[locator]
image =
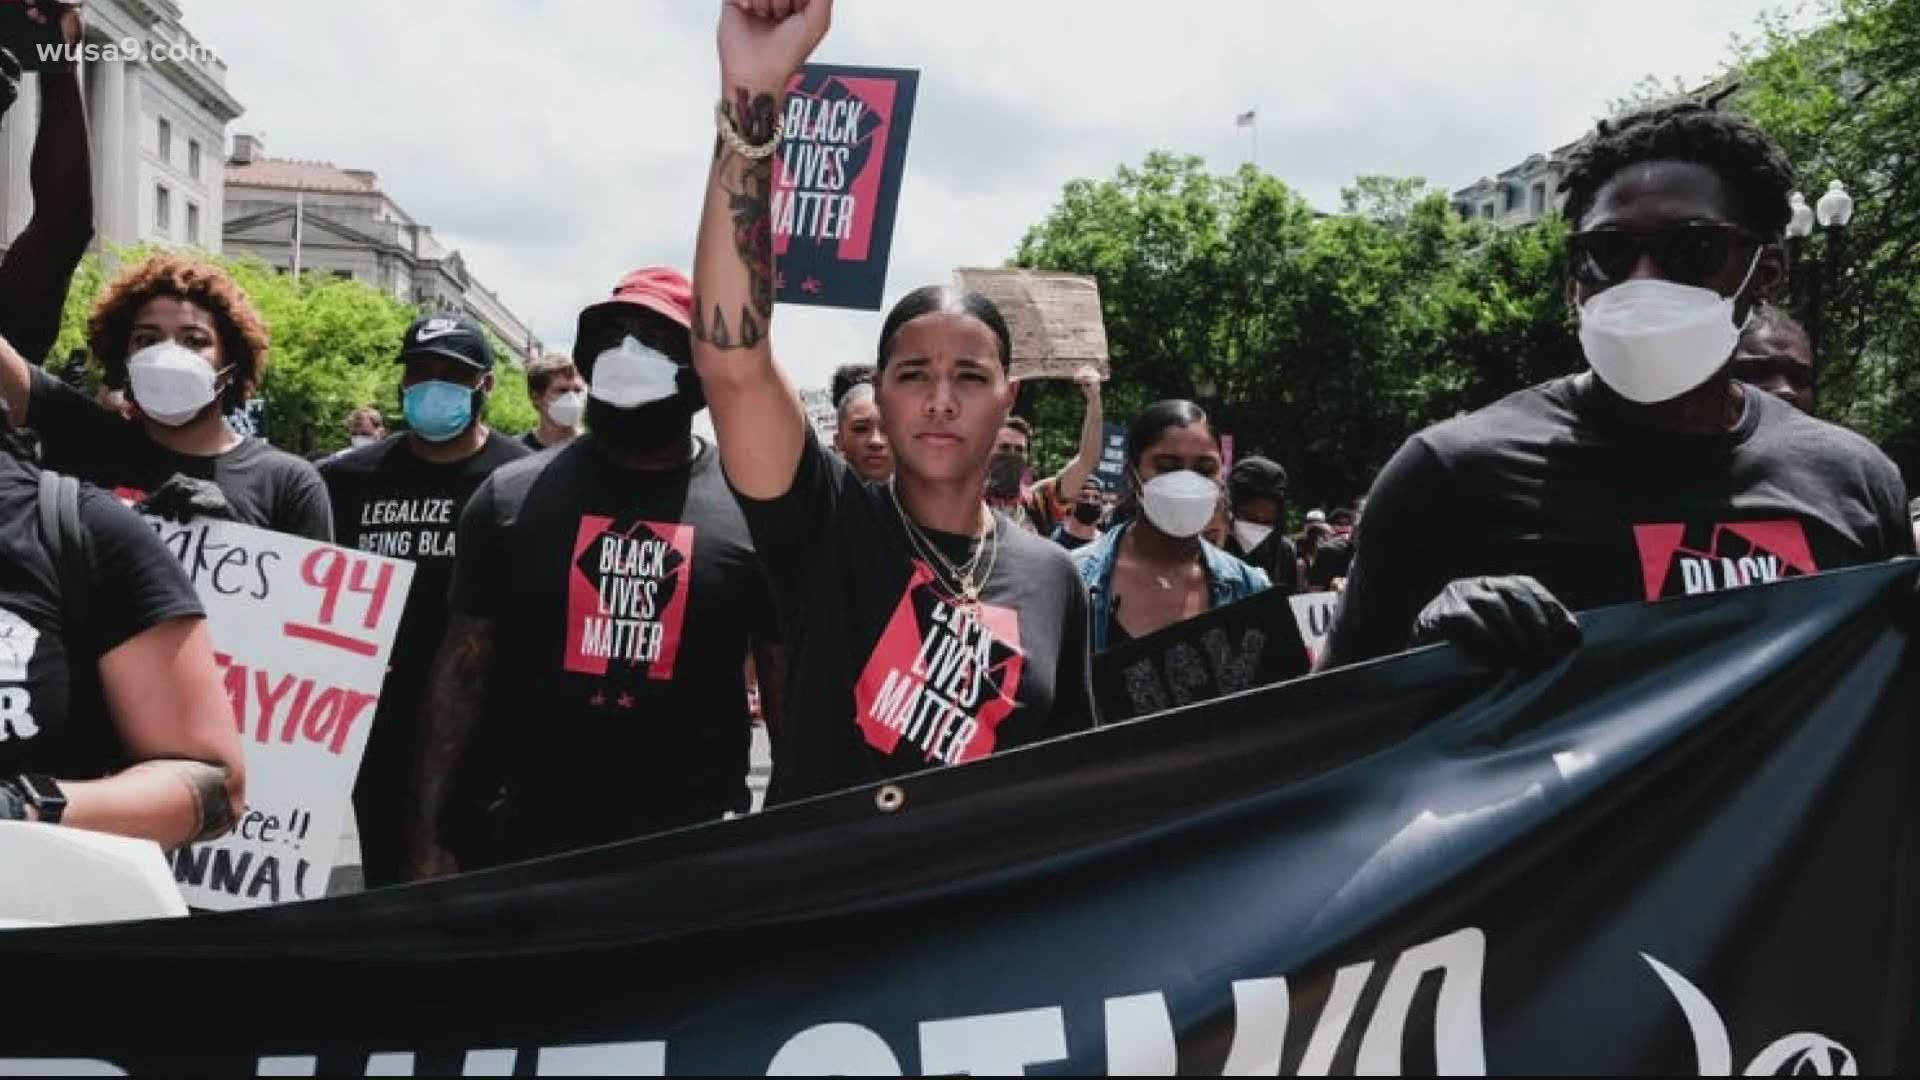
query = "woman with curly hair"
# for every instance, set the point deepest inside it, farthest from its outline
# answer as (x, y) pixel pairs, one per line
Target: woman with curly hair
(181, 338)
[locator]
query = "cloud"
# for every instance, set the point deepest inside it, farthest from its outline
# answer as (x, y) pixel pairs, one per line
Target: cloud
(560, 142)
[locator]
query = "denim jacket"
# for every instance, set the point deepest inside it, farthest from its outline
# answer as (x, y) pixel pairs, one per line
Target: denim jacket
(1228, 579)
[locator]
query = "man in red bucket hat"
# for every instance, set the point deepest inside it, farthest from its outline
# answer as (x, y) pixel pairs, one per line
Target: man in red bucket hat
(604, 602)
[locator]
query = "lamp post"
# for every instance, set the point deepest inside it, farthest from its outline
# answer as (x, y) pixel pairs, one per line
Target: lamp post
(1833, 213)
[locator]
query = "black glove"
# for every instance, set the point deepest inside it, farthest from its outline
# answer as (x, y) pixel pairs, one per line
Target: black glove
(10, 73)
(183, 498)
(13, 804)
(1507, 620)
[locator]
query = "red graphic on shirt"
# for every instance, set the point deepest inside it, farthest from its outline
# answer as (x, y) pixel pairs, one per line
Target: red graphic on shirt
(942, 676)
(627, 596)
(1688, 559)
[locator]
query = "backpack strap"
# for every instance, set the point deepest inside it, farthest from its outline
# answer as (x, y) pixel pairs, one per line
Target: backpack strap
(68, 543)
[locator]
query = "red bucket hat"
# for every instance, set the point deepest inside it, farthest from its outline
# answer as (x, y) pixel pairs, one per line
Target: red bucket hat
(660, 289)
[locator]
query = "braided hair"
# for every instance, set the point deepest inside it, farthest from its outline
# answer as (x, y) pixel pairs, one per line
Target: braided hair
(1756, 173)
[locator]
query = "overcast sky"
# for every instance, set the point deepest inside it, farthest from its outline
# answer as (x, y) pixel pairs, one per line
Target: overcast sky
(559, 142)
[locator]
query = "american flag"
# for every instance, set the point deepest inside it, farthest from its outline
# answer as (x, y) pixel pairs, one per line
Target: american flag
(1245, 119)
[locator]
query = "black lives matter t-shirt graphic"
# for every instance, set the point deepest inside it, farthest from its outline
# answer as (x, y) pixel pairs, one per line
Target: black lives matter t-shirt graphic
(942, 676)
(1691, 559)
(627, 596)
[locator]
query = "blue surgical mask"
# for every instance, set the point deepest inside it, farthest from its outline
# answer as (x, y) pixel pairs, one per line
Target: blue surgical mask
(438, 411)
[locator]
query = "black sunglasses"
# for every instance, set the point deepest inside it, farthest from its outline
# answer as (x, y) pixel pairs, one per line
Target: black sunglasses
(1688, 254)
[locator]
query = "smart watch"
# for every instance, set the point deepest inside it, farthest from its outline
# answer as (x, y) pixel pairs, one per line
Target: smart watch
(44, 795)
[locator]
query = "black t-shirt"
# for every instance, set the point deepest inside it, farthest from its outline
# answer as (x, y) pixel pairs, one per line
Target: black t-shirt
(53, 717)
(266, 487)
(622, 604)
(1276, 555)
(886, 675)
(389, 501)
(1542, 483)
(532, 442)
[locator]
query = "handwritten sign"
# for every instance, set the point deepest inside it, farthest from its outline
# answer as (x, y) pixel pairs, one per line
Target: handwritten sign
(1238, 647)
(302, 631)
(1055, 319)
(1314, 612)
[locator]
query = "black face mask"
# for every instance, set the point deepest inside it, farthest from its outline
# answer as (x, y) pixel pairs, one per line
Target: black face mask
(643, 429)
(1087, 513)
(1003, 475)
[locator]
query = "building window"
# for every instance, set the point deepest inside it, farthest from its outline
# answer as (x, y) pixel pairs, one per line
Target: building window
(1540, 199)
(1513, 197)
(193, 158)
(162, 209)
(343, 275)
(166, 141)
(1486, 211)
(193, 223)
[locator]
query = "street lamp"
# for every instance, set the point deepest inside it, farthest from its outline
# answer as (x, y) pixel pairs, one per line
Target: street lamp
(1833, 213)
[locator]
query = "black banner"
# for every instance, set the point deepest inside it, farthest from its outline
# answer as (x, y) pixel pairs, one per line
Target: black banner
(1689, 848)
(1252, 643)
(836, 183)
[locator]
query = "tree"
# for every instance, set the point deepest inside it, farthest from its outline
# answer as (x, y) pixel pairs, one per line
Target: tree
(1843, 99)
(334, 343)
(1321, 341)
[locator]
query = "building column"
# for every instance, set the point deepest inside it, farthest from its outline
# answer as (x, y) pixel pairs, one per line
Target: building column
(22, 121)
(113, 157)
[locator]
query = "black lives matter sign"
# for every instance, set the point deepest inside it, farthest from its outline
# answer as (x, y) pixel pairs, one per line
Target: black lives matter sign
(836, 183)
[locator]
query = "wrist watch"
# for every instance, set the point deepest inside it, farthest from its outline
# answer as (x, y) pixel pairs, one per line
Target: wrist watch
(43, 794)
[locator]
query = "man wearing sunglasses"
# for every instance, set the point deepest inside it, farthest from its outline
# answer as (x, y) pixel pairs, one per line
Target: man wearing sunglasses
(1654, 474)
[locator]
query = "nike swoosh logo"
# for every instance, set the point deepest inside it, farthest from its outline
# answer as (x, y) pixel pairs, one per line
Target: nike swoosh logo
(429, 334)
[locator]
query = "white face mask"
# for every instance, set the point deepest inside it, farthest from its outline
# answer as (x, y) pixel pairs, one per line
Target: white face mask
(567, 409)
(1180, 503)
(1251, 534)
(358, 441)
(171, 383)
(1651, 340)
(634, 375)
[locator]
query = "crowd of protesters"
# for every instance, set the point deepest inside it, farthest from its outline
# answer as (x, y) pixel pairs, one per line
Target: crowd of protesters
(591, 601)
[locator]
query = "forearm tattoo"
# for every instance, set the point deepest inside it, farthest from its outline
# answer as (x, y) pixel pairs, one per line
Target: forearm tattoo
(212, 804)
(455, 710)
(749, 188)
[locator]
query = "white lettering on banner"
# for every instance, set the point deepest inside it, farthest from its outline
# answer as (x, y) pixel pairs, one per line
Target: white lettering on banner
(1713, 1050)
(997, 1044)
(302, 632)
(1139, 1036)
(835, 1050)
(1699, 574)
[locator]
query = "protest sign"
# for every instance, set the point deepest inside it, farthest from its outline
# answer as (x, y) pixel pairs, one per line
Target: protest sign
(1239, 647)
(1684, 850)
(1313, 611)
(302, 631)
(1112, 469)
(1055, 319)
(836, 183)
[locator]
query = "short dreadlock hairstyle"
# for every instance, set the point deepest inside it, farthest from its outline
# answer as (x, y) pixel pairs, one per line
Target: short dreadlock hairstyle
(1758, 177)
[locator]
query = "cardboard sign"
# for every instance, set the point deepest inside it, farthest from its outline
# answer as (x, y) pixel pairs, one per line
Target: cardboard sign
(1238, 647)
(1056, 320)
(302, 631)
(1313, 612)
(836, 183)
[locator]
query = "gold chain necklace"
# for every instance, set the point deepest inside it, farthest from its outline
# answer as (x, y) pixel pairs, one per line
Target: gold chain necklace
(961, 582)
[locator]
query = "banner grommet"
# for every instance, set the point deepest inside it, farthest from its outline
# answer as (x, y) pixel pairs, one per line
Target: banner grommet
(889, 799)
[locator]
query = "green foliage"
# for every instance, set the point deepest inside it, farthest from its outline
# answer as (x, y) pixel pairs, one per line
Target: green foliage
(1843, 99)
(1321, 341)
(334, 344)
